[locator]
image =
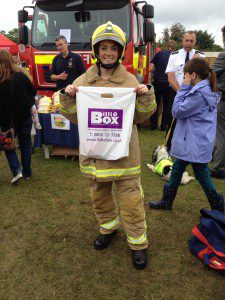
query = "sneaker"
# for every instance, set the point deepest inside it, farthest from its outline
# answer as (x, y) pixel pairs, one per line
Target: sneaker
(16, 178)
(26, 177)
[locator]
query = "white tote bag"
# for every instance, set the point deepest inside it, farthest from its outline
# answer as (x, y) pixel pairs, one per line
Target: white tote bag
(105, 118)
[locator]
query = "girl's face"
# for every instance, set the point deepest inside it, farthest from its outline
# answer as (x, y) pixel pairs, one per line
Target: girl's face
(190, 77)
(108, 52)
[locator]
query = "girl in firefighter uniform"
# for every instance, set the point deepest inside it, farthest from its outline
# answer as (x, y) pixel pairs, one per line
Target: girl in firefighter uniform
(108, 48)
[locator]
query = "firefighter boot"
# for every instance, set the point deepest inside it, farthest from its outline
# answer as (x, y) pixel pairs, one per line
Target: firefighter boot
(169, 194)
(139, 258)
(216, 202)
(103, 240)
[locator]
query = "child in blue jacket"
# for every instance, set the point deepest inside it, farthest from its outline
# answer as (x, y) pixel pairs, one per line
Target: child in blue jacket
(195, 108)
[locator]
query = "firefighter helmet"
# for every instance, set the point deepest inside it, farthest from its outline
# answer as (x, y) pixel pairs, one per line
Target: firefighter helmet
(108, 31)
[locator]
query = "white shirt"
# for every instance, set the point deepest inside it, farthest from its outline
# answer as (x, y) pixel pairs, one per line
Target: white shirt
(177, 61)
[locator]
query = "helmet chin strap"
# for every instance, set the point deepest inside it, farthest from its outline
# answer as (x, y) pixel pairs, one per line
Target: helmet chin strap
(107, 66)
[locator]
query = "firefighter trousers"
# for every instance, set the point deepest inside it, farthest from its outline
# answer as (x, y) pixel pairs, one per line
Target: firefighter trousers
(131, 206)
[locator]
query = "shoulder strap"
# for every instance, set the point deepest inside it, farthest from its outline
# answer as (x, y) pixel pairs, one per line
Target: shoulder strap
(201, 237)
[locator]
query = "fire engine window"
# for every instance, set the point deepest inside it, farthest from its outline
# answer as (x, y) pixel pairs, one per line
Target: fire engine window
(50, 19)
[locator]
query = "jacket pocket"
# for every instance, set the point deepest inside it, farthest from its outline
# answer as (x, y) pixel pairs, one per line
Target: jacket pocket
(179, 144)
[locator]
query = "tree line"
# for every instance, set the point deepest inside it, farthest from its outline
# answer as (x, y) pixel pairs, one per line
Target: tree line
(205, 41)
(11, 35)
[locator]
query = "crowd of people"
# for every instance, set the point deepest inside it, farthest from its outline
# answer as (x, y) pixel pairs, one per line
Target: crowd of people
(192, 109)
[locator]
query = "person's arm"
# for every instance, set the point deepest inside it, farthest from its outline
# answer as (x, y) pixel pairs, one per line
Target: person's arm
(219, 64)
(187, 104)
(170, 70)
(62, 76)
(31, 90)
(54, 76)
(153, 63)
(151, 67)
(173, 82)
(80, 68)
(67, 100)
(145, 104)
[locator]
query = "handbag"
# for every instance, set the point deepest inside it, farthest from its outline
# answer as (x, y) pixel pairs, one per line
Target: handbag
(7, 138)
(208, 242)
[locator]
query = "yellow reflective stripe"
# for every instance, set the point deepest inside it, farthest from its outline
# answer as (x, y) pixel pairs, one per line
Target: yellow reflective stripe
(111, 224)
(90, 170)
(145, 225)
(137, 241)
(141, 108)
(71, 110)
(44, 59)
(144, 61)
(135, 60)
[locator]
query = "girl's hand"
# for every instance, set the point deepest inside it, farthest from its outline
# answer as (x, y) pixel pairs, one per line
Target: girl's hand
(71, 90)
(142, 89)
(187, 81)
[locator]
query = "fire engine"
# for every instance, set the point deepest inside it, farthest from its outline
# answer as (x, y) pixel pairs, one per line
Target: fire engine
(77, 20)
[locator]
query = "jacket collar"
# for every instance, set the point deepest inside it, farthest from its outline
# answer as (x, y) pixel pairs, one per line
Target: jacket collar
(118, 74)
(199, 85)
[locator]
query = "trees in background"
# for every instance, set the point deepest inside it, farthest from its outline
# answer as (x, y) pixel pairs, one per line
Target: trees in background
(11, 35)
(205, 40)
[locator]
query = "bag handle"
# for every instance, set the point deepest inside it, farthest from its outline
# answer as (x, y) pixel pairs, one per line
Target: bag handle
(213, 262)
(201, 237)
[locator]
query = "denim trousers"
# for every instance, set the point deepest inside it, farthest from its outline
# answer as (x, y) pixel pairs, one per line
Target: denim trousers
(23, 132)
(202, 174)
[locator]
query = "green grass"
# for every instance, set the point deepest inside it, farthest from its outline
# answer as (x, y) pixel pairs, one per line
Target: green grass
(47, 228)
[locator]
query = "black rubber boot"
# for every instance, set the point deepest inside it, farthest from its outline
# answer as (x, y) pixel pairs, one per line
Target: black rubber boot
(103, 240)
(216, 202)
(169, 194)
(139, 258)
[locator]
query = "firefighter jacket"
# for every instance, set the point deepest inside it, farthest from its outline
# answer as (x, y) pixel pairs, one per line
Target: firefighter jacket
(127, 167)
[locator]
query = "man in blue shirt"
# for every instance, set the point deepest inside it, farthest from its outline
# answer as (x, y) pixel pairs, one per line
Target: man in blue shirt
(161, 85)
(66, 66)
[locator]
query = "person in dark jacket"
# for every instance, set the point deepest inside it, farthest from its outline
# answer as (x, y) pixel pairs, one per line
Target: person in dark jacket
(218, 170)
(161, 85)
(66, 66)
(16, 99)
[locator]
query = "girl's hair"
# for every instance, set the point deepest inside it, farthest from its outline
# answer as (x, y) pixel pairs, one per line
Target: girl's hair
(7, 65)
(202, 69)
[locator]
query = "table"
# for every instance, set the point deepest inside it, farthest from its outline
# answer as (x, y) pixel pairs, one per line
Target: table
(56, 137)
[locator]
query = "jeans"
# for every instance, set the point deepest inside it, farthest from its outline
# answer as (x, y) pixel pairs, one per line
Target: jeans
(202, 174)
(23, 132)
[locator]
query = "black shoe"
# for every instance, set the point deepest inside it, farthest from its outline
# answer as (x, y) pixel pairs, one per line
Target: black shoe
(103, 240)
(161, 205)
(217, 174)
(139, 258)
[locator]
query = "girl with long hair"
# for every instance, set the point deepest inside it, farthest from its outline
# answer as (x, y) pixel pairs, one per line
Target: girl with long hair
(17, 98)
(195, 108)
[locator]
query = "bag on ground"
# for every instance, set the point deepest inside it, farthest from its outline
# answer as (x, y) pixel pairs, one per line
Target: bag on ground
(105, 119)
(208, 243)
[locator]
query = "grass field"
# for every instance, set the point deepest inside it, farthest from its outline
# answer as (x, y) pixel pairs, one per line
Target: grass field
(47, 228)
